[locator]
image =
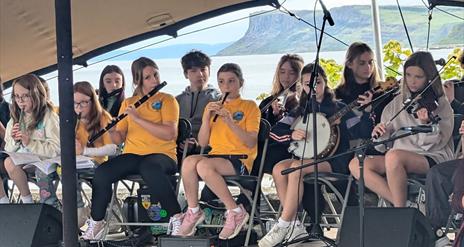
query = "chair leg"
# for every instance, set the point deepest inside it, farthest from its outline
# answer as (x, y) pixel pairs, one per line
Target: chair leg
(113, 198)
(251, 219)
(329, 202)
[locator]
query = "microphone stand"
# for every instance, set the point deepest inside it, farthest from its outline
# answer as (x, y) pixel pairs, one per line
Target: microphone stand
(360, 154)
(316, 230)
(360, 150)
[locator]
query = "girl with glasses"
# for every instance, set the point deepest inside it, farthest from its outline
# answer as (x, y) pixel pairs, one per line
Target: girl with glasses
(33, 128)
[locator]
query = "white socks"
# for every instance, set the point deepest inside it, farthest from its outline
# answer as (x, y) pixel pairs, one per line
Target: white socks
(27, 199)
(284, 224)
(195, 209)
(24, 199)
(4, 200)
(237, 210)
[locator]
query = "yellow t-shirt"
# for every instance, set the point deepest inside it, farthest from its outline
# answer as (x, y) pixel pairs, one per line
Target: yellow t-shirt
(82, 136)
(223, 141)
(160, 108)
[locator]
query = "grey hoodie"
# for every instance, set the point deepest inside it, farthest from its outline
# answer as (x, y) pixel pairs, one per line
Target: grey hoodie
(192, 105)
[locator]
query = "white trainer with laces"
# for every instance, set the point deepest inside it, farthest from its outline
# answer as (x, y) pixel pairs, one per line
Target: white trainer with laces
(94, 230)
(275, 236)
(299, 231)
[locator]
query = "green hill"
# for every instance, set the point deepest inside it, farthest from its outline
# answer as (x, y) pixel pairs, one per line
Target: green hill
(277, 32)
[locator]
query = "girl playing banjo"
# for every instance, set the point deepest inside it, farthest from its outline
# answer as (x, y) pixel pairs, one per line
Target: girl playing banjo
(288, 186)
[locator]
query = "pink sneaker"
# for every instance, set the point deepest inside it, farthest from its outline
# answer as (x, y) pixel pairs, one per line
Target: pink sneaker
(190, 222)
(234, 223)
(174, 224)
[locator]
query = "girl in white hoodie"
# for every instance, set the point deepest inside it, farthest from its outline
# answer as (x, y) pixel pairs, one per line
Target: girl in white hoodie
(33, 128)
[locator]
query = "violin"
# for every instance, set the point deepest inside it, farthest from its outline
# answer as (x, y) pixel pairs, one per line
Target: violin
(427, 100)
(388, 84)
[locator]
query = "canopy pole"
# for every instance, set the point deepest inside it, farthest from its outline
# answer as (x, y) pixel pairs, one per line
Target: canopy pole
(377, 37)
(67, 120)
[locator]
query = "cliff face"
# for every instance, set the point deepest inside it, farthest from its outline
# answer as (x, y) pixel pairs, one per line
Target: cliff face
(277, 32)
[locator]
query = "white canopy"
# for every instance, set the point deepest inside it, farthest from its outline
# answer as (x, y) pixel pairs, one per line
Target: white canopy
(27, 27)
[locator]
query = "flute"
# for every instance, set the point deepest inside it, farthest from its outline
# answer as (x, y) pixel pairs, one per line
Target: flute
(78, 120)
(222, 103)
(21, 125)
(122, 116)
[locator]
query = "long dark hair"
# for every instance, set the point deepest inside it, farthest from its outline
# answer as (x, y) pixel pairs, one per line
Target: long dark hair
(103, 94)
(328, 93)
(354, 51)
(424, 60)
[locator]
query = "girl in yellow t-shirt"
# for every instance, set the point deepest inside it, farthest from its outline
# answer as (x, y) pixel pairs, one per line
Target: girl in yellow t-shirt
(149, 134)
(233, 132)
(92, 118)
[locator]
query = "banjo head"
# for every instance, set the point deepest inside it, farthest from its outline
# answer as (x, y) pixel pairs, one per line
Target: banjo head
(324, 131)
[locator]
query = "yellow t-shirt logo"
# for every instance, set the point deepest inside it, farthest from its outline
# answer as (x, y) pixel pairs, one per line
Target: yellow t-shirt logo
(157, 105)
(238, 115)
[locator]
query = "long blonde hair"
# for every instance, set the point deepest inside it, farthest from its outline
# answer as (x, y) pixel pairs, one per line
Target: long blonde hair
(38, 97)
(354, 51)
(137, 73)
(296, 62)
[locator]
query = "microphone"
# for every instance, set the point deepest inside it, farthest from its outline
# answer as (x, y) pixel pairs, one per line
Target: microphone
(422, 128)
(327, 15)
(440, 62)
(222, 103)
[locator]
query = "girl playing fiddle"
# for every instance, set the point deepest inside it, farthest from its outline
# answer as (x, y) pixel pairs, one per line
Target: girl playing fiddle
(415, 153)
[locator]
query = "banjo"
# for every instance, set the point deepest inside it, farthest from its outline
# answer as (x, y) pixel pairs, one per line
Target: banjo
(328, 131)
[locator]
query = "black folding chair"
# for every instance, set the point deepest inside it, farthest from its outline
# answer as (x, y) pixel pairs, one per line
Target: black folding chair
(184, 133)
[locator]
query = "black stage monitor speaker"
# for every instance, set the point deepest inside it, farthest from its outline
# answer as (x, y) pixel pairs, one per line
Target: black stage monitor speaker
(30, 225)
(387, 227)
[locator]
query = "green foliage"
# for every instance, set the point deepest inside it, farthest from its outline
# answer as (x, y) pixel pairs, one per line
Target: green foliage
(453, 70)
(262, 96)
(394, 57)
(333, 71)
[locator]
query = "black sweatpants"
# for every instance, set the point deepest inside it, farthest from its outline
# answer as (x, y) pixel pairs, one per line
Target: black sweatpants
(438, 188)
(155, 169)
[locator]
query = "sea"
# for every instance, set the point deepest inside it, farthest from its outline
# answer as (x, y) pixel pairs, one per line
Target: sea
(258, 71)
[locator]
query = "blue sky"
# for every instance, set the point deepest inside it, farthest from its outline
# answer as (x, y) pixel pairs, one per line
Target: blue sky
(234, 31)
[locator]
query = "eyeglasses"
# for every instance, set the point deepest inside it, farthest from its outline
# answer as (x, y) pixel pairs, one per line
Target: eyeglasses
(21, 98)
(82, 104)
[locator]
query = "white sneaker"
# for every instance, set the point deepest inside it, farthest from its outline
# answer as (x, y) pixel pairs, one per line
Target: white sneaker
(299, 231)
(174, 224)
(275, 236)
(94, 230)
(83, 214)
(442, 242)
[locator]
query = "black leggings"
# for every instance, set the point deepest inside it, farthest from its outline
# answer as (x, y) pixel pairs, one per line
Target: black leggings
(155, 170)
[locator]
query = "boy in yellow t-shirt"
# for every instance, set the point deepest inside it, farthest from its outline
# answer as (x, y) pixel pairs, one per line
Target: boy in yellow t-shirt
(233, 131)
(149, 133)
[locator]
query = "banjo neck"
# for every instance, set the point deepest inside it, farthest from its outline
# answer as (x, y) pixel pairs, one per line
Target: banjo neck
(342, 112)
